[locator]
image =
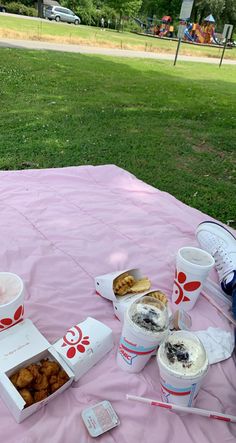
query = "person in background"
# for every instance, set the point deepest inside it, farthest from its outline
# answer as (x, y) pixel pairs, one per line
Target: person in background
(171, 31)
(102, 24)
(221, 244)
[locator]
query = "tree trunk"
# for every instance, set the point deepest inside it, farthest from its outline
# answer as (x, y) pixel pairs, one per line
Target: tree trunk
(40, 8)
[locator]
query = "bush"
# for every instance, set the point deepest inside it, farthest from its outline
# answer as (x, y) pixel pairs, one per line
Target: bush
(87, 16)
(92, 16)
(19, 8)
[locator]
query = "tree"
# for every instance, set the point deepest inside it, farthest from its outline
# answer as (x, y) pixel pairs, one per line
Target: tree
(229, 13)
(161, 7)
(125, 7)
(202, 8)
(149, 7)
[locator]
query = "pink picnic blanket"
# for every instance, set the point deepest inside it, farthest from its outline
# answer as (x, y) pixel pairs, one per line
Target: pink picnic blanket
(59, 228)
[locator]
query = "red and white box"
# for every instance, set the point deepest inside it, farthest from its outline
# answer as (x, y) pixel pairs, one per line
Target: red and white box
(20, 346)
(104, 287)
(84, 345)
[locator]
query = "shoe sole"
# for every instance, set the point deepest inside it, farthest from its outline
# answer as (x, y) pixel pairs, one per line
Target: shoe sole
(216, 224)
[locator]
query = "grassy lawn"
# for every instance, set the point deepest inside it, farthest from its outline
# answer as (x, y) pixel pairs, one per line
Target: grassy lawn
(175, 128)
(14, 27)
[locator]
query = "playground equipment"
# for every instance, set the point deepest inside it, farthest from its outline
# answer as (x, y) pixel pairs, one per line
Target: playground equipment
(165, 26)
(159, 28)
(194, 32)
(204, 34)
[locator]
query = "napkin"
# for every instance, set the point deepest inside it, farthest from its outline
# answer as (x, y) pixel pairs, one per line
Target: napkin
(219, 344)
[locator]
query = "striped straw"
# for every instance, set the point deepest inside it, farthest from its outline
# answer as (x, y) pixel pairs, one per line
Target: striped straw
(197, 411)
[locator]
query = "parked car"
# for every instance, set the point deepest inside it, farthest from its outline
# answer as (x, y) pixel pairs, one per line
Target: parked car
(61, 14)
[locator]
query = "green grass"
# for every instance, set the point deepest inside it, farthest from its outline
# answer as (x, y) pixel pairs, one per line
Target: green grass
(14, 27)
(175, 128)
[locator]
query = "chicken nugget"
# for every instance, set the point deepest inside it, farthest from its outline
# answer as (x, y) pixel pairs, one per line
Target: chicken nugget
(41, 383)
(63, 375)
(59, 379)
(57, 385)
(53, 379)
(49, 368)
(27, 396)
(40, 395)
(14, 378)
(24, 378)
(34, 369)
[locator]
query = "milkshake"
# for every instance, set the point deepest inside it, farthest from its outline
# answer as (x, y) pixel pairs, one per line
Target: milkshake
(11, 300)
(145, 326)
(10, 287)
(183, 364)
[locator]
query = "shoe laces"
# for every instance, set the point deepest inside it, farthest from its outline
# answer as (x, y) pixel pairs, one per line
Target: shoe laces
(222, 258)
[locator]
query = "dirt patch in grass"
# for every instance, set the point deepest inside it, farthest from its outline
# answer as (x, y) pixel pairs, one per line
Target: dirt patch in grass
(203, 147)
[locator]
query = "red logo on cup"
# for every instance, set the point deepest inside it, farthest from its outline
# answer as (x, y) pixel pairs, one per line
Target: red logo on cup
(180, 285)
(17, 317)
(74, 338)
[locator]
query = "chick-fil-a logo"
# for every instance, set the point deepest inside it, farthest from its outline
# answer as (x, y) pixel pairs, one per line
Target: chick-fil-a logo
(75, 340)
(7, 322)
(182, 285)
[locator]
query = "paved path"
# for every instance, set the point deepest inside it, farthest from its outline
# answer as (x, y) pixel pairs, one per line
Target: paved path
(28, 44)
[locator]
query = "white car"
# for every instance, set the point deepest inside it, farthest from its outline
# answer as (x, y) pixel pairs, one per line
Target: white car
(60, 14)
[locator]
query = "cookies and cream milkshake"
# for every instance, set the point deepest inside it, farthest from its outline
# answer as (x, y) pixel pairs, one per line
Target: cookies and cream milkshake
(148, 315)
(183, 364)
(184, 356)
(145, 326)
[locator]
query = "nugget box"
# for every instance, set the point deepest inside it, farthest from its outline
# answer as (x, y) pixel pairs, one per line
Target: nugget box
(84, 345)
(20, 346)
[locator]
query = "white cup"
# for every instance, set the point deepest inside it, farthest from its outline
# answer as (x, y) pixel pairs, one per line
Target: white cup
(192, 268)
(11, 300)
(137, 344)
(181, 388)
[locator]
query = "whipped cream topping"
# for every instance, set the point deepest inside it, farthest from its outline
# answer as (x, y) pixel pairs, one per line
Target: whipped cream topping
(184, 355)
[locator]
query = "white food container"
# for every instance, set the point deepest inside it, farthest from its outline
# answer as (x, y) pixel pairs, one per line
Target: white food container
(104, 287)
(20, 346)
(84, 345)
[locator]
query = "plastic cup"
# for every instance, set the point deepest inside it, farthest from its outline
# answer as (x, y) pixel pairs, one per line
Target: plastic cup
(145, 326)
(192, 268)
(11, 300)
(178, 387)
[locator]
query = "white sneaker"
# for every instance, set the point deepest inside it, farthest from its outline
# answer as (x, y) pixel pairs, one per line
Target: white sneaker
(221, 244)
